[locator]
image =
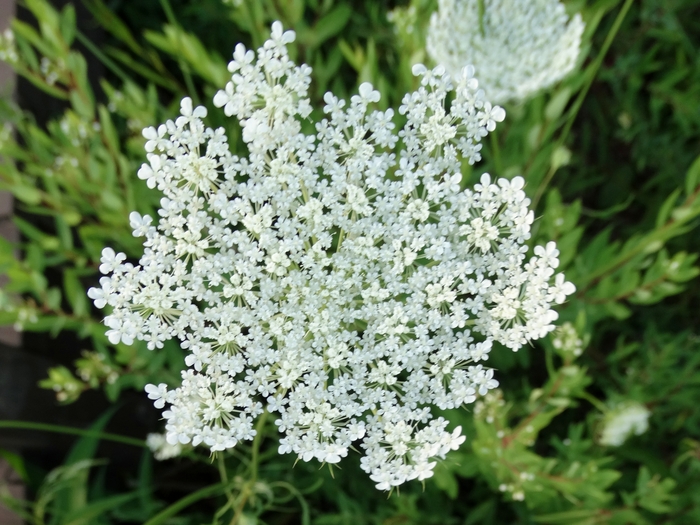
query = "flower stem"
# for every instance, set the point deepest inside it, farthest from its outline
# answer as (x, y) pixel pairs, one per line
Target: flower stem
(221, 464)
(592, 73)
(255, 454)
(496, 152)
(249, 487)
(60, 429)
(594, 401)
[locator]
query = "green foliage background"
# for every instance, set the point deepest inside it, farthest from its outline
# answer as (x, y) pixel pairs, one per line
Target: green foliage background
(611, 161)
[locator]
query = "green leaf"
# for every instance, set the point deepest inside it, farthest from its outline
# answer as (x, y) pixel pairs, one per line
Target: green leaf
(16, 462)
(483, 513)
(60, 429)
(186, 46)
(328, 26)
(568, 517)
(35, 234)
(86, 446)
(145, 480)
(144, 70)
(445, 480)
(108, 131)
(57, 492)
(112, 23)
(557, 103)
(666, 207)
(59, 323)
(81, 98)
(293, 12)
(24, 31)
(87, 514)
(355, 57)
(113, 389)
(692, 178)
(627, 517)
(75, 293)
(74, 496)
(617, 310)
(206, 492)
(53, 298)
(27, 54)
(67, 24)
(654, 493)
(28, 194)
(65, 235)
(44, 12)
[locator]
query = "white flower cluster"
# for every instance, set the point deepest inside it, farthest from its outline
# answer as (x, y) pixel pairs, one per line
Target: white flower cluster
(518, 47)
(8, 47)
(566, 340)
(343, 280)
(624, 421)
(405, 19)
(161, 448)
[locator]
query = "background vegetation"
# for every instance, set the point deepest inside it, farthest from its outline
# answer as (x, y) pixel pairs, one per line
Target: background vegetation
(611, 161)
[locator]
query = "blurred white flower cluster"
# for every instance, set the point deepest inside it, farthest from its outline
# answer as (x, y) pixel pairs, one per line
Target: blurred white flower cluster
(161, 448)
(8, 47)
(343, 280)
(518, 47)
(630, 418)
(405, 19)
(567, 341)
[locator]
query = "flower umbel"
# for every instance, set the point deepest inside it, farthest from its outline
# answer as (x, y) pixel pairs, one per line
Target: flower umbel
(343, 280)
(518, 47)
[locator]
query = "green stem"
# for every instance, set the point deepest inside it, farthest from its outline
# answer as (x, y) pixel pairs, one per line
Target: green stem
(224, 478)
(172, 510)
(549, 362)
(594, 401)
(222, 468)
(305, 514)
(593, 71)
(254, 27)
(46, 427)
(249, 488)
(255, 454)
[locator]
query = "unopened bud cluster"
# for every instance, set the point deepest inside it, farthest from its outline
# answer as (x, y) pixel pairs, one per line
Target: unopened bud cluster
(8, 47)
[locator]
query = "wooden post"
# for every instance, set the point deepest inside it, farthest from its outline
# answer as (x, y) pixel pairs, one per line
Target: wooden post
(8, 336)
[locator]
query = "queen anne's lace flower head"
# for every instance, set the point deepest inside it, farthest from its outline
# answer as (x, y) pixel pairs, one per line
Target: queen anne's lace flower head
(518, 47)
(343, 279)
